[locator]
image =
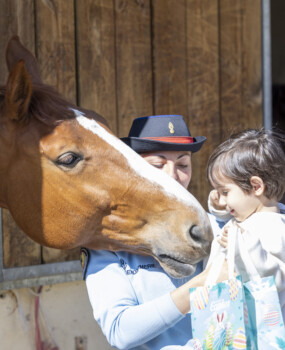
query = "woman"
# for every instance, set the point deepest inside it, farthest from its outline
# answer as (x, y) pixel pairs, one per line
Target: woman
(137, 305)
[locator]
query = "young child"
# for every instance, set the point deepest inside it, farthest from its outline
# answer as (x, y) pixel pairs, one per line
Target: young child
(248, 173)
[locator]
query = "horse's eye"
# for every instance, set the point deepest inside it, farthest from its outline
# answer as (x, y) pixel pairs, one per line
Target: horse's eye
(68, 160)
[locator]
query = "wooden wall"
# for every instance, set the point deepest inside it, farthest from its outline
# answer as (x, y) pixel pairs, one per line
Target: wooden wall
(130, 58)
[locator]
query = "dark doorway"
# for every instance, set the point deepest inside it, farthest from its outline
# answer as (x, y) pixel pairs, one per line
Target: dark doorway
(278, 64)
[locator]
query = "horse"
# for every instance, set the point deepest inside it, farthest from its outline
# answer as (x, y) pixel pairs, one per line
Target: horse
(69, 182)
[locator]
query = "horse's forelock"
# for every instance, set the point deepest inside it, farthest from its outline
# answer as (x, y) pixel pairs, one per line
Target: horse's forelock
(46, 105)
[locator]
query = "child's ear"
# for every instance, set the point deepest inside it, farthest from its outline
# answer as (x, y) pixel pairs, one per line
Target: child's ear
(257, 184)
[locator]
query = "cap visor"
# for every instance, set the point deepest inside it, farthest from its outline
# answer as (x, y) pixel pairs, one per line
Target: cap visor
(146, 145)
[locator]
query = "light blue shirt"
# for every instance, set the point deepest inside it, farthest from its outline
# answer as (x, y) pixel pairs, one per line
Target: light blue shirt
(130, 296)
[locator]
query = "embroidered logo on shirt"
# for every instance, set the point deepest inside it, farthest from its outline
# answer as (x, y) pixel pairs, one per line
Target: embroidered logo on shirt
(134, 271)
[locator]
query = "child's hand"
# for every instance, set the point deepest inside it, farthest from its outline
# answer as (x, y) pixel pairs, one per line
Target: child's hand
(224, 238)
(215, 200)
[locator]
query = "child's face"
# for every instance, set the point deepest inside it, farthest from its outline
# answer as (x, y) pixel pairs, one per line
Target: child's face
(240, 204)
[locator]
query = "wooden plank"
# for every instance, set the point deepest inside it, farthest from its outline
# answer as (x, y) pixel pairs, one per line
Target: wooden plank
(231, 66)
(55, 42)
(133, 62)
(51, 255)
(95, 45)
(169, 57)
(240, 53)
(203, 86)
(17, 17)
(252, 63)
(18, 249)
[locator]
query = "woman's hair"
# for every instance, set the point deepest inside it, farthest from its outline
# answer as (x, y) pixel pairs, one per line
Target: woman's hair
(250, 153)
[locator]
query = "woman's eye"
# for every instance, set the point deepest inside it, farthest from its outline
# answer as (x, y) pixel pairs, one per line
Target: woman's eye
(158, 166)
(224, 193)
(68, 160)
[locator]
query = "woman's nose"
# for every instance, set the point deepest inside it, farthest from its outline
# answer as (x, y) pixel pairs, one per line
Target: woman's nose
(171, 170)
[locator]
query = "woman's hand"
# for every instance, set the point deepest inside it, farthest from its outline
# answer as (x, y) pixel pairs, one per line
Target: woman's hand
(180, 296)
(224, 274)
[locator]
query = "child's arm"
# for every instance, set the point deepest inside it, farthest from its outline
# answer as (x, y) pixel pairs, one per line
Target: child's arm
(267, 254)
(266, 247)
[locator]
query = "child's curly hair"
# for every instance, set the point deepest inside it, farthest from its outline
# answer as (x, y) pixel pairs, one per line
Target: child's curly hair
(253, 152)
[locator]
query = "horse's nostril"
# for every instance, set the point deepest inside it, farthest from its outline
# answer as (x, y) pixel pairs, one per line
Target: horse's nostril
(195, 233)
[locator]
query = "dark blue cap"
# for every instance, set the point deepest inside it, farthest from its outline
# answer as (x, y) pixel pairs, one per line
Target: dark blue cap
(162, 133)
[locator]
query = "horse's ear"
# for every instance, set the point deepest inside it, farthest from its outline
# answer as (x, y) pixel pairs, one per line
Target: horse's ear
(18, 92)
(15, 52)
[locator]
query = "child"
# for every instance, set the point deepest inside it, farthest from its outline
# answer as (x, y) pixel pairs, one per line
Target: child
(248, 173)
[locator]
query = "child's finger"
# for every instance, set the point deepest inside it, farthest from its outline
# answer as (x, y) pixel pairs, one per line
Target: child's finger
(214, 195)
(226, 231)
(222, 243)
(215, 200)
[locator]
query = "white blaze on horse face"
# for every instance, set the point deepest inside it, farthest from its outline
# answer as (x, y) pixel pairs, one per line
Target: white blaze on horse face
(170, 186)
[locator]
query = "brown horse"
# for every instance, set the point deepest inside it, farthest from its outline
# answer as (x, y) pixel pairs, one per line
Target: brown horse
(69, 182)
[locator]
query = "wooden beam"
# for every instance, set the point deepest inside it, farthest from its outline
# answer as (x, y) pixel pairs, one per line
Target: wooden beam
(133, 62)
(95, 46)
(16, 18)
(169, 57)
(203, 87)
(55, 41)
(240, 57)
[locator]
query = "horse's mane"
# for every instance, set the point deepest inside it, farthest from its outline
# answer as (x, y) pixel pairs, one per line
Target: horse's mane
(46, 105)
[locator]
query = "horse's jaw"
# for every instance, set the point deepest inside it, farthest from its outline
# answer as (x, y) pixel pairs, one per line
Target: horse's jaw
(176, 268)
(138, 230)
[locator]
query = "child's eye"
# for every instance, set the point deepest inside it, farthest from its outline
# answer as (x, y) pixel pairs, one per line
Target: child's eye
(183, 166)
(224, 193)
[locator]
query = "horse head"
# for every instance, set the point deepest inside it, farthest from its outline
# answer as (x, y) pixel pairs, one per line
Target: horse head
(69, 182)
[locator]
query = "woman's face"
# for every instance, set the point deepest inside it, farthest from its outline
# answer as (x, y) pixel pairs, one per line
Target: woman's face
(177, 164)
